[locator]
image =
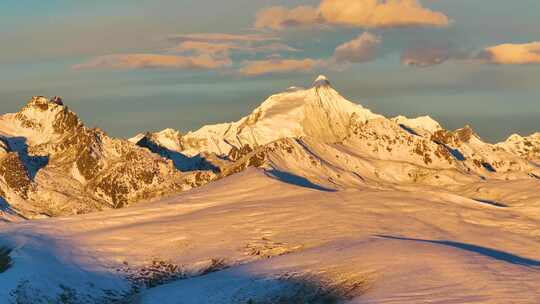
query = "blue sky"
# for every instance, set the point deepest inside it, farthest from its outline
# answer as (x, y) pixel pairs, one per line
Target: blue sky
(42, 43)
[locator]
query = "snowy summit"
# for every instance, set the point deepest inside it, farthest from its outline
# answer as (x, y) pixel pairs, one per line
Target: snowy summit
(321, 81)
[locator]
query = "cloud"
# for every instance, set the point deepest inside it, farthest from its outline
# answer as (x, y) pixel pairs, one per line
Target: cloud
(353, 13)
(361, 49)
(223, 45)
(225, 48)
(278, 17)
(425, 54)
(279, 65)
(528, 53)
(380, 13)
(221, 37)
(197, 51)
(154, 61)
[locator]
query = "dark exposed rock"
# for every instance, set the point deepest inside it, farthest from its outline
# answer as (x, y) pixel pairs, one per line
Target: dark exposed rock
(15, 175)
(454, 139)
(237, 153)
(57, 100)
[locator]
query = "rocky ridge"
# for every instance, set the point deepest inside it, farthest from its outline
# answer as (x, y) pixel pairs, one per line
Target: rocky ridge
(51, 164)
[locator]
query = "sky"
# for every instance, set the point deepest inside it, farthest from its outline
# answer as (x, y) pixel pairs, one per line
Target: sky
(129, 66)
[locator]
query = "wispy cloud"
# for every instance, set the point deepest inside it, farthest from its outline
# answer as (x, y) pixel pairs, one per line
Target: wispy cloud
(154, 61)
(279, 65)
(359, 13)
(221, 37)
(199, 51)
(527, 53)
(279, 17)
(225, 48)
(361, 49)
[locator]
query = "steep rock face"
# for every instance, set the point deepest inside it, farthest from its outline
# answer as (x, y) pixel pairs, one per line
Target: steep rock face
(14, 178)
(53, 165)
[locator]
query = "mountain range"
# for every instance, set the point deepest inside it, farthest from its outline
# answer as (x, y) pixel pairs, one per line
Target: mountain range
(51, 164)
(311, 198)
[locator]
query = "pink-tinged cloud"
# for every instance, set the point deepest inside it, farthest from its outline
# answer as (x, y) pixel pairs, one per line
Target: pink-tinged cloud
(380, 13)
(278, 17)
(278, 65)
(154, 61)
(353, 13)
(224, 48)
(203, 47)
(223, 45)
(528, 53)
(193, 52)
(361, 49)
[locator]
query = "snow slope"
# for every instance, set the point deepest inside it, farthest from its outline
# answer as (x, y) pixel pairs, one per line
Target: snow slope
(279, 239)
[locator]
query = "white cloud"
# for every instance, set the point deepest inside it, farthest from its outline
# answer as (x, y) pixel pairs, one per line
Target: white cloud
(527, 53)
(353, 13)
(279, 65)
(154, 61)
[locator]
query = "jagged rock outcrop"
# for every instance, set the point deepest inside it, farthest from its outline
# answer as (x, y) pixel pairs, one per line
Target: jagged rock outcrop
(53, 165)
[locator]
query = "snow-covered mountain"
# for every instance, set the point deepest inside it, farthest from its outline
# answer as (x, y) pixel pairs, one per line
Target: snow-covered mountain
(51, 164)
(319, 112)
(526, 147)
(317, 123)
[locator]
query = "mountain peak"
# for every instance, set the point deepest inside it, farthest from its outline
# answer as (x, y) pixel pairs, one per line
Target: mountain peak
(321, 81)
(44, 120)
(43, 102)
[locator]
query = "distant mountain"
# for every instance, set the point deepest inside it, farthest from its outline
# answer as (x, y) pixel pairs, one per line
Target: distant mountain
(51, 164)
(526, 147)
